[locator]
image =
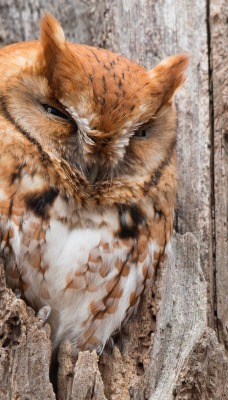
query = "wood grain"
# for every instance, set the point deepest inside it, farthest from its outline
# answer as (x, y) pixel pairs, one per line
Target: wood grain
(25, 350)
(219, 105)
(19, 20)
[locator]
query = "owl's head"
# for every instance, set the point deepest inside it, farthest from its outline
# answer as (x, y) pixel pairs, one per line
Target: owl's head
(105, 115)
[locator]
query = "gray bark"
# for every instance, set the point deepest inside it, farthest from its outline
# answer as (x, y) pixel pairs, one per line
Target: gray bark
(19, 19)
(219, 105)
(168, 351)
(25, 350)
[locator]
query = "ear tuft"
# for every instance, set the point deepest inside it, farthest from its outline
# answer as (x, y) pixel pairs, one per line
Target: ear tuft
(51, 31)
(52, 44)
(170, 74)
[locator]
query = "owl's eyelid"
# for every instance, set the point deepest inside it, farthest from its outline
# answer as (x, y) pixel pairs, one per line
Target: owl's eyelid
(141, 133)
(146, 126)
(64, 115)
(57, 112)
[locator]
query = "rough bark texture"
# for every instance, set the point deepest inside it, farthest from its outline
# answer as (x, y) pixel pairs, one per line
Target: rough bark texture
(210, 382)
(19, 19)
(219, 104)
(81, 380)
(168, 351)
(25, 350)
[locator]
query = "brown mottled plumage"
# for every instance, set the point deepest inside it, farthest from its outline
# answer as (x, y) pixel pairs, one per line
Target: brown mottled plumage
(87, 179)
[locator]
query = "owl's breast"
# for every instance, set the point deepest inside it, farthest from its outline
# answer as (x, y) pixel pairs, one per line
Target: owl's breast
(91, 265)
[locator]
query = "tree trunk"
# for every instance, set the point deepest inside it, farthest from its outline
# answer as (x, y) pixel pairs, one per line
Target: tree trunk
(176, 347)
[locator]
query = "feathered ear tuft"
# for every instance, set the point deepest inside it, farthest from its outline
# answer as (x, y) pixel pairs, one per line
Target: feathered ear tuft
(51, 32)
(169, 75)
(52, 43)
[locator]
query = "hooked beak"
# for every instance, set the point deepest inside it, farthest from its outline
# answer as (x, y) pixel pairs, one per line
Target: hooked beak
(92, 173)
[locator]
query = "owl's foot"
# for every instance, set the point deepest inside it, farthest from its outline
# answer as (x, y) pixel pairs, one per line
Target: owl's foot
(99, 350)
(43, 314)
(131, 392)
(111, 343)
(17, 293)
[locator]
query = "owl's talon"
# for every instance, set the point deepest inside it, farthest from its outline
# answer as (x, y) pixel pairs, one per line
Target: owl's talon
(111, 343)
(99, 350)
(17, 293)
(43, 314)
(131, 392)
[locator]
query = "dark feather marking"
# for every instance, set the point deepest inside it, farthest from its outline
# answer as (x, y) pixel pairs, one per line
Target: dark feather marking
(16, 174)
(116, 105)
(104, 84)
(136, 214)
(40, 202)
(10, 209)
(132, 230)
(94, 55)
(157, 175)
(106, 67)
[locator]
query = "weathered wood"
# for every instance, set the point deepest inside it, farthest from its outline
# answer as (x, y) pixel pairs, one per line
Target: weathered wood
(182, 317)
(65, 371)
(204, 374)
(19, 20)
(181, 330)
(81, 380)
(87, 381)
(25, 350)
(219, 89)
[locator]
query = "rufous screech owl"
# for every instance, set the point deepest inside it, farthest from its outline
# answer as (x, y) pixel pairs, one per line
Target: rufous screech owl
(87, 180)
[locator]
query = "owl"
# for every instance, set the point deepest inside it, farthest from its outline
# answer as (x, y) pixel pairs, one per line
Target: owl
(87, 180)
